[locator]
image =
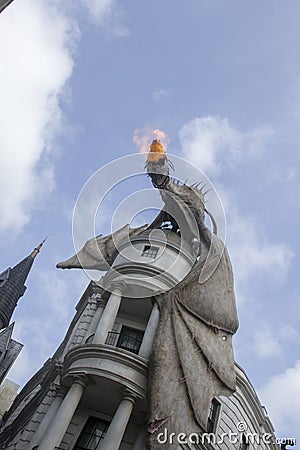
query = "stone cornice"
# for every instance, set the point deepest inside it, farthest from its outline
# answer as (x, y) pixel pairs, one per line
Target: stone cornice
(128, 369)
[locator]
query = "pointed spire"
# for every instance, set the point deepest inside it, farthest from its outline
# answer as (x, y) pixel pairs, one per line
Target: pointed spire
(38, 248)
(12, 286)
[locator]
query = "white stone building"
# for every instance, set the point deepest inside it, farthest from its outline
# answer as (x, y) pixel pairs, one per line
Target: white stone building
(92, 393)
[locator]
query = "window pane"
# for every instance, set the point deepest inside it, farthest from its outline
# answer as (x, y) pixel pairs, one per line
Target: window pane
(213, 416)
(130, 339)
(150, 251)
(92, 434)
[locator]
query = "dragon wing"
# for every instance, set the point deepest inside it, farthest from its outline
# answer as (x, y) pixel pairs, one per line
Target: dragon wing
(99, 252)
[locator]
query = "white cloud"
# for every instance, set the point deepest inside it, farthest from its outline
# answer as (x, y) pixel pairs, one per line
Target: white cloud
(215, 146)
(106, 14)
(282, 174)
(266, 343)
(269, 342)
(22, 367)
(281, 396)
(159, 94)
(252, 254)
(99, 9)
(288, 332)
(213, 143)
(36, 42)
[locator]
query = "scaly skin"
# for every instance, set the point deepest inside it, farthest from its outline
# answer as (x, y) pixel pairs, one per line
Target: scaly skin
(186, 202)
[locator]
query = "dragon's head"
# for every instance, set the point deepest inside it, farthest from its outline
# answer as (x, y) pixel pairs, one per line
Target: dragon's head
(157, 164)
(183, 202)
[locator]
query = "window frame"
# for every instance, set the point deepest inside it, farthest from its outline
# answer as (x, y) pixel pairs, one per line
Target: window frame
(150, 251)
(78, 446)
(122, 335)
(214, 416)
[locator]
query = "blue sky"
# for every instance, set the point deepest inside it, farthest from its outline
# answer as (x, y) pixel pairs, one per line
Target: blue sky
(222, 79)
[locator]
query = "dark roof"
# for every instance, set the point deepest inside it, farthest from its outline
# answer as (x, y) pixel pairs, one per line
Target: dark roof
(4, 4)
(9, 350)
(12, 286)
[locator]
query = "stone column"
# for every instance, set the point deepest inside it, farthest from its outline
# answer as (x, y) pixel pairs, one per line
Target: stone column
(116, 430)
(140, 443)
(50, 414)
(147, 342)
(93, 325)
(61, 421)
(109, 314)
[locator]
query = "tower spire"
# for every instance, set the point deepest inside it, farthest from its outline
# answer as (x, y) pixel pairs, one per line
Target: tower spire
(12, 286)
(38, 248)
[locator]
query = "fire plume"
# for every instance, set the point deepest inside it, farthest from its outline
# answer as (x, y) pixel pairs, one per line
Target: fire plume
(142, 138)
(156, 151)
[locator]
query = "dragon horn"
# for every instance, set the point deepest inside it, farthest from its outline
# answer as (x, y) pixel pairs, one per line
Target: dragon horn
(215, 228)
(199, 183)
(171, 165)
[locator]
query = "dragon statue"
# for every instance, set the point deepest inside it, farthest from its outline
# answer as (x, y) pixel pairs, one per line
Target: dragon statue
(192, 358)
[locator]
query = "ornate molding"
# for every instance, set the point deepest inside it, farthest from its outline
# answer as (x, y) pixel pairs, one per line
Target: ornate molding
(119, 285)
(128, 394)
(101, 302)
(128, 370)
(81, 378)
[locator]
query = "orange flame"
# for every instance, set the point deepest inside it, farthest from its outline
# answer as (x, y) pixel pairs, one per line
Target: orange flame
(156, 151)
(142, 138)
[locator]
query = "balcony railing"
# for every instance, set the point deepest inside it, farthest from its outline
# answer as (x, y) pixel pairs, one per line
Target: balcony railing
(124, 341)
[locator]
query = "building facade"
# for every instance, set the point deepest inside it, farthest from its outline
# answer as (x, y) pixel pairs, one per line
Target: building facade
(92, 393)
(147, 361)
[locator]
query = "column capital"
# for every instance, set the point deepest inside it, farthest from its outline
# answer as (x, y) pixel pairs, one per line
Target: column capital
(81, 378)
(117, 285)
(128, 394)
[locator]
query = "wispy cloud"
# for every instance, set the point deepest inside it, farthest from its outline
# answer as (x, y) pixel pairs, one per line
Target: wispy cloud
(266, 344)
(107, 14)
(282, 174)
(214, 144)
(159, 94)
(282, 394)
(22, 367)
(269, 342)
(252, 253)
(36, 43)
